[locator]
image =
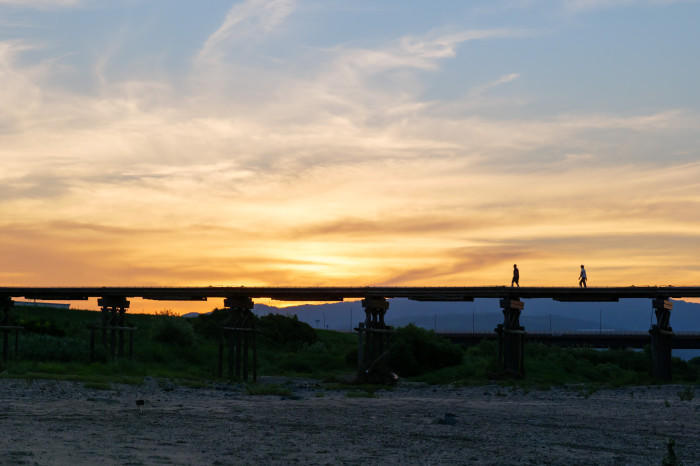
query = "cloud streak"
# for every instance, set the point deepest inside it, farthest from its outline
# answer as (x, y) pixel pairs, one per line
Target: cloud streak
(41, 3)
(250, 19)
(585, 5)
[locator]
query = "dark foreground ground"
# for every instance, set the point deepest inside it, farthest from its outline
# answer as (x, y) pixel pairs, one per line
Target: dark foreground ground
(49, 422)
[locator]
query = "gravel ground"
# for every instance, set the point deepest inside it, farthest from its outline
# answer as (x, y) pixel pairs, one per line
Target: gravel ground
(49, 422)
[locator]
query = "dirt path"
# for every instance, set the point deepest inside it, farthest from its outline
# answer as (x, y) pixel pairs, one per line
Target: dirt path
(48, 422)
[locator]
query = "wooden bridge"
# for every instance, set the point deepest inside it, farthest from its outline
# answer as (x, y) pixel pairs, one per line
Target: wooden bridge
(455, 293)
(373, 332)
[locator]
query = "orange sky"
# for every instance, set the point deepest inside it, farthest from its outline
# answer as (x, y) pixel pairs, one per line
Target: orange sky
(424, 153)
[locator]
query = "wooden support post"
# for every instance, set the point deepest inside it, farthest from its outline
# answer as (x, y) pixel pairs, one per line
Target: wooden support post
(361, 347)
(661, 339)
(246, 335)
(16, 343)
(6, 305)
(255, 357)
(121, 323)
(499, 332)
(113, 319)
(112, 333)
(237, 336)
(512, 338)
(131, 344)
(105, 324)
(92, 344)
(231, 350)
(373, 342)
(241, 321)
(5, 345)
(220, 365)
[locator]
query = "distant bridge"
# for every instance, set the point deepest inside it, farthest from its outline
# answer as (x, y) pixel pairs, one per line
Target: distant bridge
(591, 340)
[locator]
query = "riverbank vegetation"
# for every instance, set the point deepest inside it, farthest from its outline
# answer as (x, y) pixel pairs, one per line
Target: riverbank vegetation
(55, 344)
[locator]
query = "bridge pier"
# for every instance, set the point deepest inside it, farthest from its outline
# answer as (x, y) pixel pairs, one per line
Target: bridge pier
(511, 338)
(661, 339)
(113, 318)
(373, 341)
(6, 306)
(239, 336)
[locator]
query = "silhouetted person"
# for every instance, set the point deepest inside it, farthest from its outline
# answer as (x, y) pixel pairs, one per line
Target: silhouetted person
(582, 278)
(516, 276)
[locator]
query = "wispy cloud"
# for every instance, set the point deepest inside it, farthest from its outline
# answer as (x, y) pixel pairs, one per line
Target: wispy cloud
(421, 52)
(41, 3)
(480, 90)
(250, 19)
(444, 45)
(584, 5)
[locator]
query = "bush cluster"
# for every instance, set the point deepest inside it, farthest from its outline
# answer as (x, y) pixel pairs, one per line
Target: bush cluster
(279, 331)
(39, 347)
(42, 327)
(173, 331)
(286, 332)
(209, 325)
(415, 351)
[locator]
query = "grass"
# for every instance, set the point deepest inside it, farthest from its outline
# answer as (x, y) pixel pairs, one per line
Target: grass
(687, 394)
(267, 389)
(326, 358)
(98, 385)
(348, 386)
(360, 394)
(547, 366)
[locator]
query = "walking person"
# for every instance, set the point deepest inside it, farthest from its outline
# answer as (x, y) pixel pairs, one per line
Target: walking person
(516, 276)
(582, 278)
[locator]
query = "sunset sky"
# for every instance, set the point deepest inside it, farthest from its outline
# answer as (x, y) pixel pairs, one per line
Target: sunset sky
(321, 142)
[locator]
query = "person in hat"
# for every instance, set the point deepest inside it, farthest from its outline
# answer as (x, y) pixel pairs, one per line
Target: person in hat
(582, 278)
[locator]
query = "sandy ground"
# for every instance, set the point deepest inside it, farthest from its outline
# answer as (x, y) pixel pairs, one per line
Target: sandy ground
(49, 422)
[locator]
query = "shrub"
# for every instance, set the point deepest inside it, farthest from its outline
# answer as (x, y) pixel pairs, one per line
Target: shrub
(288, 362)
(173, 331)
(269, 389)
(415, 351)
(42, 327)
(210, 324)
(687, 394)
(39, 347)
(286, 332)
(683, 371)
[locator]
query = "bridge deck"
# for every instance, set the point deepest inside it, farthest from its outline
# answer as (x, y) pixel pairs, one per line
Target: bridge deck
(466, 293)
(594, 340)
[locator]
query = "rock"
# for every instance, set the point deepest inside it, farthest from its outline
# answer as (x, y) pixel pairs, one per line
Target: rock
(448, 420)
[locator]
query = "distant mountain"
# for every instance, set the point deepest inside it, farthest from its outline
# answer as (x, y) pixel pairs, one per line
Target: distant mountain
(192, 315)
(482, 315)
